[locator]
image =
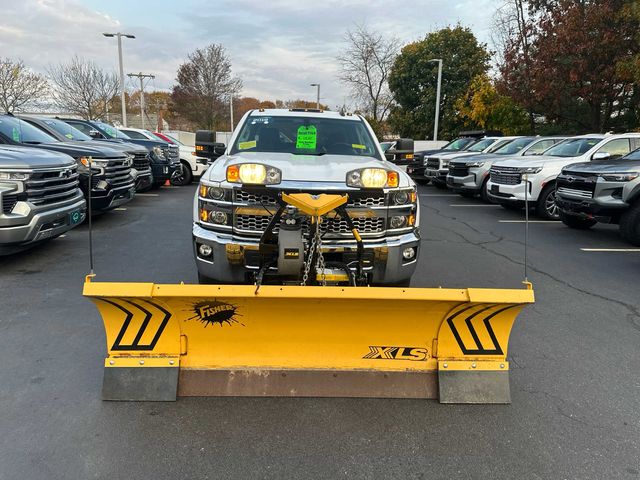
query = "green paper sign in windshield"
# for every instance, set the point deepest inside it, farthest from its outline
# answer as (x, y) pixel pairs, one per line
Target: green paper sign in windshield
(15, 133)
(306, 137)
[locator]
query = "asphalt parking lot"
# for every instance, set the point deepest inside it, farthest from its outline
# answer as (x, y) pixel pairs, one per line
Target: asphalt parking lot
(575, 364)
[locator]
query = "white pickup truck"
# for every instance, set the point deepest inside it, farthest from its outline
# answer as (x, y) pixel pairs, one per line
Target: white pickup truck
(274, 151)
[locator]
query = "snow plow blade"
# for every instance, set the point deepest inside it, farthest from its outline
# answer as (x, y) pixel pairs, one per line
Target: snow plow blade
(165, 341)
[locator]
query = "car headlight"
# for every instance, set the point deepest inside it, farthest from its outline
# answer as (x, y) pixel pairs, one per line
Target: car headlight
(620, 177)
(253, 174)
(373, 178)
(18, 176)
(475, 164)
(530, 170)
(94, 162)
(158, 152)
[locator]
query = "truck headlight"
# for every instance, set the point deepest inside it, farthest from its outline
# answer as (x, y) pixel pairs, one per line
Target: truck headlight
(158, 152)
(19, 176)
(618, 177)
(475, 164)
(530, 170)
(214, 193)
(398, 221)
(253, 174)
(372, 178)
(403, 197)
(94, 162)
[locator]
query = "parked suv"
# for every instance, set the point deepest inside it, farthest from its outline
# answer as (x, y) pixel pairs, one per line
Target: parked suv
(165, 159)
(417, 167)
(39, 197)
(510, 178)
(606, 191)
(111, 183)
(469, 176)
(437, 165)
(63, 132)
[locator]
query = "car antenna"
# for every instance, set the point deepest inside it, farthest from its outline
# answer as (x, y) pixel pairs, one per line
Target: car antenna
(91, 272)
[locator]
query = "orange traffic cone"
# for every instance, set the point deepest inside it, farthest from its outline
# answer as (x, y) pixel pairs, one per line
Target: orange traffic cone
(167, 183)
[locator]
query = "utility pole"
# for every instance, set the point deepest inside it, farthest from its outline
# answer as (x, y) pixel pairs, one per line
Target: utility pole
(317, 85)
(124, 106)
(231, 111)
(435, 126)
(141, 76)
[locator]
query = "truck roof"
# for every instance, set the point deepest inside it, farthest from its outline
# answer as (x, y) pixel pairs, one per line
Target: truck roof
(304, 112)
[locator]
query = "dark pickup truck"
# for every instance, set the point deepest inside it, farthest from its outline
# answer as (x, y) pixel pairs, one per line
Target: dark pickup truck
(39, 197)
(63, 132)
(606, 191)
(111, 181)
(165, 158)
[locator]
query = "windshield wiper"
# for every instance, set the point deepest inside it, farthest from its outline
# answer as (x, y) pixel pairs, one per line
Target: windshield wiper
(31, 142)
(314, 154)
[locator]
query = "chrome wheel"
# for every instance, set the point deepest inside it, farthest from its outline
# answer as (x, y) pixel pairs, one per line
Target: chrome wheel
(550, 206)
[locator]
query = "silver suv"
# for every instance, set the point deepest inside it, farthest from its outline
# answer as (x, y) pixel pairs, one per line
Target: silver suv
(602, 191)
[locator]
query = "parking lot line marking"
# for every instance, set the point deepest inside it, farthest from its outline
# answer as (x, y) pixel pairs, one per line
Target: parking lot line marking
(472, 205)
(531, 221)
(120, 209)
(146, 194)
(610, 249)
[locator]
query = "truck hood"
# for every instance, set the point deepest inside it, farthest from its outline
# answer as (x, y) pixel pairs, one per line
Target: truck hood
(305, 168)
(79, 149)
(118, 146)
(26, 157)
(606, 166)
(540, 161)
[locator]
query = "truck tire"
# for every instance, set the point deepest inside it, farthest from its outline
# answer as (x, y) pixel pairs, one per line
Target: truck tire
(546, 207)
(484, 192)
(578, 223)
(630, 224)
(184, 178)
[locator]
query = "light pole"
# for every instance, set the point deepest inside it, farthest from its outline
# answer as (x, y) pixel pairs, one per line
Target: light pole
(120, 35)
(317, 85)
(435, 126)
(231, 110)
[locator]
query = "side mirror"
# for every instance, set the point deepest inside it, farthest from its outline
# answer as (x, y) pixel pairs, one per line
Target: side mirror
(600, 156)
(94, 133)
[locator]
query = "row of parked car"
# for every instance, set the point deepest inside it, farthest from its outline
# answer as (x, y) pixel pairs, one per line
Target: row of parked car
(580, 180)
(51, 167)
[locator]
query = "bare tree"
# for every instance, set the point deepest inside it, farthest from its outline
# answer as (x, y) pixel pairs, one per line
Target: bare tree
(204, 86)
(19, 86)
(82, 87)
(365, 65)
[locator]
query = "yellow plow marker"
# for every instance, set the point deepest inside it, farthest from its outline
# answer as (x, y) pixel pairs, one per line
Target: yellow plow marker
(165, 341)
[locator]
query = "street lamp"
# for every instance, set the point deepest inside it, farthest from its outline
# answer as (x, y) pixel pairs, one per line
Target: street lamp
(435, 126)
(120, 35)
(317, 85)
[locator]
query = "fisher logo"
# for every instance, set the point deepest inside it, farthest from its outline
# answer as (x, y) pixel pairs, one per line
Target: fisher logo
(415, 354)
(215, 312)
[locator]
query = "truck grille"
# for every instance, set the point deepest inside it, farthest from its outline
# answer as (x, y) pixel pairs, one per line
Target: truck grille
(259, 223)
(141, 162)
(577, 181)
(574, 193)
(8, 202)
(173, 154)
(433, 163)
(51, 186)
(458, 170)
(505, 175)
(118, 173)
(370, 200)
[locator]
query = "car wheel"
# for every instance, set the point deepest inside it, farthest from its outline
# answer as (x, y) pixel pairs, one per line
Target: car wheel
(578, 223)
(546, 207)
(630, 225)
(484, 192)
(185, 177)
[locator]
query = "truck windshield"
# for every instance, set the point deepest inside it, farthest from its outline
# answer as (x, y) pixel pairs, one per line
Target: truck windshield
(514, 146)
(305, 136)
(20, 131)
(635, 155)
(112, 132)
(572, 147)
(63, 128)
(481, 145)
(458, 144)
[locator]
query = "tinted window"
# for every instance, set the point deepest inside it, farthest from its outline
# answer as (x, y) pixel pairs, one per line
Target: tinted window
(22, 132)
(65, 129)
(459, 144)
(573, 147)
(481, 145)
(513, 147)
(305, 136)
(616, 148)
(539, 147)
(635, 155)
(113, 132)
(84, 128)
(135, 135)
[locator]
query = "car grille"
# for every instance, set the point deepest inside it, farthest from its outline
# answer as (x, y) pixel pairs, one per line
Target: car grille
(118, 173)
(505, 175)
(458, 170)
(44, 187)
(173, 154)
(578, 181)
(259, 223)
(370, 200)
(433, 163)
(8, 202)
(574, 192)
(141, 162)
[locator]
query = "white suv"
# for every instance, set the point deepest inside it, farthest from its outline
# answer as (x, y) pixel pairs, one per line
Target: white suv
(191, 167)
(509, 178)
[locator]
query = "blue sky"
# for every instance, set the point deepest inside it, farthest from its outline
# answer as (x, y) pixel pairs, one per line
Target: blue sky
(277, 47)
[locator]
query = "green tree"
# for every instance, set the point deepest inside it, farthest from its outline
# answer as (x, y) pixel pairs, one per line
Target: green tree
(483, 106)
(413, 81)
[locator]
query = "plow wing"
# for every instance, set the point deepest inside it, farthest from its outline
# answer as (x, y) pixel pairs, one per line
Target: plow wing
(165, 341)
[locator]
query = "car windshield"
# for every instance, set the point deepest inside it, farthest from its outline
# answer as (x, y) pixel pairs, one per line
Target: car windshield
(22, 132)
(113, 132)
(481, 145)
(458, 144)
(63, 128)
(572, 147)
(635, 155)
(514, 146)
(305, 136)
(386, 146)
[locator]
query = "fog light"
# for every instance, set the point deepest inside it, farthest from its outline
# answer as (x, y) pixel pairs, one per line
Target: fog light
(398, 222)
(205, 250)
(218, 217)
(408, 253)
(400, 198)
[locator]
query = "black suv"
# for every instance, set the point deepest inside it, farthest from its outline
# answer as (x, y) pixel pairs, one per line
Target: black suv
(165, 158)
(111, 181)
(63, 132)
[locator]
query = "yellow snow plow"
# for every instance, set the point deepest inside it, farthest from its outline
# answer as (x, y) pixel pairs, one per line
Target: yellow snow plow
(313, 339)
